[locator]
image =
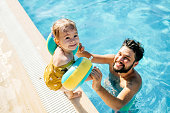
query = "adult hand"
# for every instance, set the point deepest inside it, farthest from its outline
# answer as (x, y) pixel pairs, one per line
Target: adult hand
(81, 48)
(97, 77)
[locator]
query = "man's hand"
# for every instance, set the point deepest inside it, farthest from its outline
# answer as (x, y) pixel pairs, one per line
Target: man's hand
(81, 48)
(80, 52)
(97, 77)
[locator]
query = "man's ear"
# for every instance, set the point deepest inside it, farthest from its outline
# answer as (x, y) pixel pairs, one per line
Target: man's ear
(56, 41)
(135, 64)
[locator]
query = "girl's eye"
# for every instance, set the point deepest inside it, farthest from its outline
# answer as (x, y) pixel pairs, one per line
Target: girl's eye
(67, 37)
(75, 36)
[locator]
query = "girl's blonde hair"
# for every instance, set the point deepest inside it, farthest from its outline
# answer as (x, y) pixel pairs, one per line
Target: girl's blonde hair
(62, 25)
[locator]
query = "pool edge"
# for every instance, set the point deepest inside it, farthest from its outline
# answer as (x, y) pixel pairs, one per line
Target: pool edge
(83, 104)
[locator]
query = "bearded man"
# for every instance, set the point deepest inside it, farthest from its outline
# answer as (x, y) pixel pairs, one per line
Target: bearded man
(123, 77)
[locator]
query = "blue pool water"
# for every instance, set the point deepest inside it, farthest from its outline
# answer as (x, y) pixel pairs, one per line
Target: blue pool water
(103, 25)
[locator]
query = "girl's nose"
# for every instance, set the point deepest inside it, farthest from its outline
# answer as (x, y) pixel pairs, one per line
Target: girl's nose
(72, 40)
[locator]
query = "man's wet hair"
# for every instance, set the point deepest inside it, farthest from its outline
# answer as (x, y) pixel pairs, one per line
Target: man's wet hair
(136, 47)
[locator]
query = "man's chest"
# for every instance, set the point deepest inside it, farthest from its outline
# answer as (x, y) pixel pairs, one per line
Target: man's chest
(123, 82)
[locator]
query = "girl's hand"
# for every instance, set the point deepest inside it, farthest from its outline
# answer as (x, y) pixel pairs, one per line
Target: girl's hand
(97, 77)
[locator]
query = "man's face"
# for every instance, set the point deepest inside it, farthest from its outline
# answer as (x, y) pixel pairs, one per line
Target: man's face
(124, 60)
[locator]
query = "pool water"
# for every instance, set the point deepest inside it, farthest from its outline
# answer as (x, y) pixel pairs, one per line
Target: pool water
(103, 25)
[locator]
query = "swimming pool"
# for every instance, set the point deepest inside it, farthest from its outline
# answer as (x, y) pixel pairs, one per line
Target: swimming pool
(102, 27)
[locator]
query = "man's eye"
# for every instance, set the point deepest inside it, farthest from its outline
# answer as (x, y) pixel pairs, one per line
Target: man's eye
(127, 58)
(75, 36)
(67, 37)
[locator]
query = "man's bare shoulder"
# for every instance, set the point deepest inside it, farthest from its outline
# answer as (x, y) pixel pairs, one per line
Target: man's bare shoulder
(135, 82)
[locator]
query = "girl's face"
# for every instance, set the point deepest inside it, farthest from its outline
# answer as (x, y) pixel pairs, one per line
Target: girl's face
(69, 40)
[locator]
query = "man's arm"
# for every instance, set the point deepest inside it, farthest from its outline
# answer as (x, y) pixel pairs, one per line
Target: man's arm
(113, 102)
(101, 59)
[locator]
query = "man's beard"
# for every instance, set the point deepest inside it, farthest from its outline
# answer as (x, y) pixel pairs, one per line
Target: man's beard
(123, 70)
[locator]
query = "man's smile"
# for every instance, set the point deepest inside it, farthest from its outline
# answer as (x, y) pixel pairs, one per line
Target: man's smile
(119, 64)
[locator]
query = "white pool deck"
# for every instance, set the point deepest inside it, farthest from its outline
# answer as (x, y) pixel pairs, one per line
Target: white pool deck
(23, 58)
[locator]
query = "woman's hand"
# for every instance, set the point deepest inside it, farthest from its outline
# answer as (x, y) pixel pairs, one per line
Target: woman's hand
(97, 77)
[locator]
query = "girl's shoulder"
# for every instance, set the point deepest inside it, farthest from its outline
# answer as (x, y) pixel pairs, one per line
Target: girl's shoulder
(60, 58)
